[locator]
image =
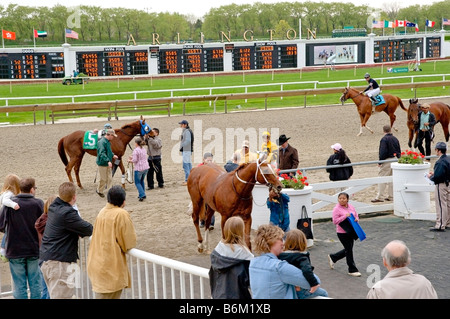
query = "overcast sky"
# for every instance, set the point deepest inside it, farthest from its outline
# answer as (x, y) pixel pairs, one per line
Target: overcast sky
(195, 7)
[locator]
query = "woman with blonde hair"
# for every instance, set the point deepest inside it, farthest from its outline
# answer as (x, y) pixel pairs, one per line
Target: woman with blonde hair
(10, 189)
(270, 277)
(228, 275)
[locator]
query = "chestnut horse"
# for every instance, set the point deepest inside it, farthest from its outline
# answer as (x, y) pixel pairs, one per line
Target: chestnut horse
(440, 110)
(214, 190)
(72, 145)
(364, 106)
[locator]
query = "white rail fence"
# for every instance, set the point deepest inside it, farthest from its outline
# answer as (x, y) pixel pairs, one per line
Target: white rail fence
(244, 88)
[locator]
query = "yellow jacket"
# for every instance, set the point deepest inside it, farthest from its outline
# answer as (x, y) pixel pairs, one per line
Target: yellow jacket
(271, 149)
(112, 237)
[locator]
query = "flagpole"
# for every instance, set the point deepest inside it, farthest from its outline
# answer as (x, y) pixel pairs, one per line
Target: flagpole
(34, 39)
(3, 39)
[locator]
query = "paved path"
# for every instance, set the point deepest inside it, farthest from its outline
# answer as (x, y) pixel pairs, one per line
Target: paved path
(429, 251)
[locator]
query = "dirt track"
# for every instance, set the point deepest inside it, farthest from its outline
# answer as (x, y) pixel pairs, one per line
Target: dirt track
(162, 225)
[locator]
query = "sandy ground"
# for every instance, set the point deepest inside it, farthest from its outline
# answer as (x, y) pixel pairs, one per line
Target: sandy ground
(161, 222)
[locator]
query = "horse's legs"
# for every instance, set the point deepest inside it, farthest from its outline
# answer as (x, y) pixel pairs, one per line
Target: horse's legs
(248, 225)
(393, 117)
(76, 169)
(196, 208)
(122, 169)
(364, 120)
(410, 137)
(208, 216)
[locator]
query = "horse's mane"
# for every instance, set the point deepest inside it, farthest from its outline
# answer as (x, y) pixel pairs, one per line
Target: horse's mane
(129, 125)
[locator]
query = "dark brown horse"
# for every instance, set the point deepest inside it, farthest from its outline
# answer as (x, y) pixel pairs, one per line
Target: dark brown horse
(214, 190)
(364, 106)
(440, 110)
(72, 145)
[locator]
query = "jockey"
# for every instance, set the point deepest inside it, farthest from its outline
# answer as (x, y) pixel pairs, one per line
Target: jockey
(106, 127)
(373, 89)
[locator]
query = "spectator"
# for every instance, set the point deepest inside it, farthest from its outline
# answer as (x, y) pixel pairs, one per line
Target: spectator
(232, 164)
(287, 155)
(10, 189)
(114, 234)
(400, 282)
(341, 211)
(270, 149)
(270, 277)
(244, 155)
(40, 226)
(141, 166)
(441, 177)
(186, 148)
(295, 253)
(154, 160)
(22, 248)
(424, 128)
(389, 149)
(104, 161)
(228, 275)
(339, 157)
(59, 247)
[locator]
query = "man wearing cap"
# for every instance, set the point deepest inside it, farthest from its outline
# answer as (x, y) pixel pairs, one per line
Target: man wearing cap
(186, 148)
(424, 127)
(373, 89)
(441, 177)
(244, 155)
(287, 155)
(389, 149)
(105, 158)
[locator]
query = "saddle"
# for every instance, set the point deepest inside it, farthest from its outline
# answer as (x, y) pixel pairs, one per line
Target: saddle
(380, 100)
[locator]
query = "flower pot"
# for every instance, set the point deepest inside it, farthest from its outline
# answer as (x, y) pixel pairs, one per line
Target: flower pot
(298, 199)
(406, 201)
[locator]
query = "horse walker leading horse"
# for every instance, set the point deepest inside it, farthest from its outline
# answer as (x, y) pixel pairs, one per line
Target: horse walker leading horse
(230, 194)
(72, 145)
(440, 110)
(364, 105)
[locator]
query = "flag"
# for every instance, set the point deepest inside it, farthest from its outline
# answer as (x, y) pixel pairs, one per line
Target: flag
(71, 34)
(412, 25)
(400, 23)
(445, 21)
(430, 23)
(377, 24)
(40, 34)
(8, 35)
(388, 24)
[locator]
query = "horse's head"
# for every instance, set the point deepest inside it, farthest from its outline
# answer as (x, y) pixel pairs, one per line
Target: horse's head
(344, 96)
(266, 175)
(413, 111)
(139, 127)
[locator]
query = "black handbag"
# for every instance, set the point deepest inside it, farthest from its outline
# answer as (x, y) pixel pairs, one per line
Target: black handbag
(347, 226)
(304, 224)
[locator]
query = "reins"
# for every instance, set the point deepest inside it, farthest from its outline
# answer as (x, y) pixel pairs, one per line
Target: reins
(258, 168)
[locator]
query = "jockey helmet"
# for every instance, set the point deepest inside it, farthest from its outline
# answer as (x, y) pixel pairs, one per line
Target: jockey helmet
(367, 75)
(107, 126)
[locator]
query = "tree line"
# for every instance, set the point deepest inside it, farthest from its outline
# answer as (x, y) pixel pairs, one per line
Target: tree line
(114, 25)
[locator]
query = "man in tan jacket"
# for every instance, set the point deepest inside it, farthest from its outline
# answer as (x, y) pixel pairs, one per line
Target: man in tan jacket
(113, 235)
(400, 282)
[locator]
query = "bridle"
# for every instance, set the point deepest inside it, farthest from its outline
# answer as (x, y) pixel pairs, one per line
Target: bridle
(350, 97)
(258, 169)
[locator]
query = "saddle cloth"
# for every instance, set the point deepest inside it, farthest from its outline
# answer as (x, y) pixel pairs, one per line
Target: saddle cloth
(90, 140)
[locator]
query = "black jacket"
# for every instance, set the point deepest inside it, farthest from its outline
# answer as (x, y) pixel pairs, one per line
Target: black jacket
(301, 260)
(441, 170)
(64, 227)
(389, 147)
(341, 173)
(431, 120)
(21, 236)
(229, 277)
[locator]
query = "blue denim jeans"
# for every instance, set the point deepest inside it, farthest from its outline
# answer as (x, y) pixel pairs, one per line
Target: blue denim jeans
(139, 181)
(25, 272)
(187, 164)
(305, 294)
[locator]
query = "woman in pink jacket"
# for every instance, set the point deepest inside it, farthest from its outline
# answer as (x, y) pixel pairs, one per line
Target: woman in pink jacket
(341, 211)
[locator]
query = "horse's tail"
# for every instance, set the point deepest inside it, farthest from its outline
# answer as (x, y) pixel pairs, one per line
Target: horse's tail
(62, 152)
(400, 102)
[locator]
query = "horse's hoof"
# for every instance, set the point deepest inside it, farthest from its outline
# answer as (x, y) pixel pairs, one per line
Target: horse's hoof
(200, 250)
(359, 134)
(123, 186)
